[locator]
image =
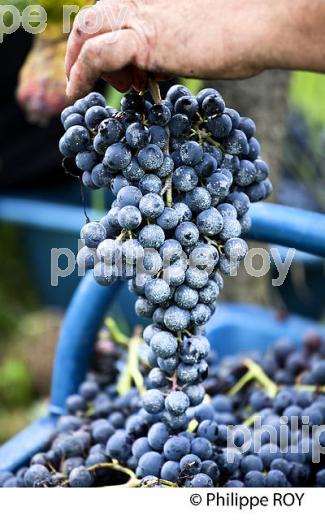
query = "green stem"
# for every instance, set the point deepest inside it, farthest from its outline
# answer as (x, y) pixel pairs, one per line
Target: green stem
(115, 334)
(250, 420)
(122, 235)
(310, 388)
(205, 136)
(132, 482)
(254, 372)
(192, 426)
(243, 381)
(131, 371)
(165, 483)
(115, 466)
(111, 465)
(220, 247)
(259, 374)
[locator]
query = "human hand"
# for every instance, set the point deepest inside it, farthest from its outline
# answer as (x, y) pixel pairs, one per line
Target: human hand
(204, 39)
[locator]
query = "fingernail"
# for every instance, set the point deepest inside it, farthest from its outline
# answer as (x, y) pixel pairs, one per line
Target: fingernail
(68, 89)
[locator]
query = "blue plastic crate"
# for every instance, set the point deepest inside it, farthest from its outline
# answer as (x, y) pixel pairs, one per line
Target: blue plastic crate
(233, 328)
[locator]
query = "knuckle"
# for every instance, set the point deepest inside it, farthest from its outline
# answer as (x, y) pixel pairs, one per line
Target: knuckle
(86, 19)
(87, 52)
(78, 22)
(147, 38)
(144, 30)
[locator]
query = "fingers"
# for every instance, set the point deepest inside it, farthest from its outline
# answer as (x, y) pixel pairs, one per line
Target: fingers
(129, 77)
(102, 55)
(121, 80)
(139, 78)
(79, 34)
(92, 21)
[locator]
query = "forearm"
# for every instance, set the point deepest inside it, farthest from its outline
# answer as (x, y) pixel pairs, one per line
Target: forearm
(238, 39)
(297, 36)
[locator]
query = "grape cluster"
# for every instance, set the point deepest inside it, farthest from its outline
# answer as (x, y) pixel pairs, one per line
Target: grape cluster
(102, 427)
(184, 171)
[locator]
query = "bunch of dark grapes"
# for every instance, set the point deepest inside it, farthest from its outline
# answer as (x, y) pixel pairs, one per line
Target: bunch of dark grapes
(102, 427)
(184, 171)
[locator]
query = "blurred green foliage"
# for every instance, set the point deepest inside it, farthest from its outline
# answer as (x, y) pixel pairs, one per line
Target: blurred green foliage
(303, 162)
(17, 294)
(14, 420)
(194, 85)
(16, 387)
(54, 8)
(17, 297)
(306, 95)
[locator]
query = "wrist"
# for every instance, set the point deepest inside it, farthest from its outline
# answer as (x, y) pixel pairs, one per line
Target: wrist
(295, 38)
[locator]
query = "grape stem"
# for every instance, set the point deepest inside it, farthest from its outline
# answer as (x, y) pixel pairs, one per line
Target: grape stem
(115, 334)
(310, 388)
(168, 190)
(115, 466)
(133, 481)
(165, 483)
(132, 371)
(163, 191)
(192, 426)
(169, 197)
(254, 372)
(220, 247)
(122, 235)
(206, 136)
(259, 374)
(111, 465)
(174, 381)
(156, 96)
(243, 381)
(250, 420)
(169, 187)
(154, 90)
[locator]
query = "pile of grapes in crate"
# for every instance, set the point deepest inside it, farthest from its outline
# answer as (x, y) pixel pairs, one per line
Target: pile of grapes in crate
(258, 426)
